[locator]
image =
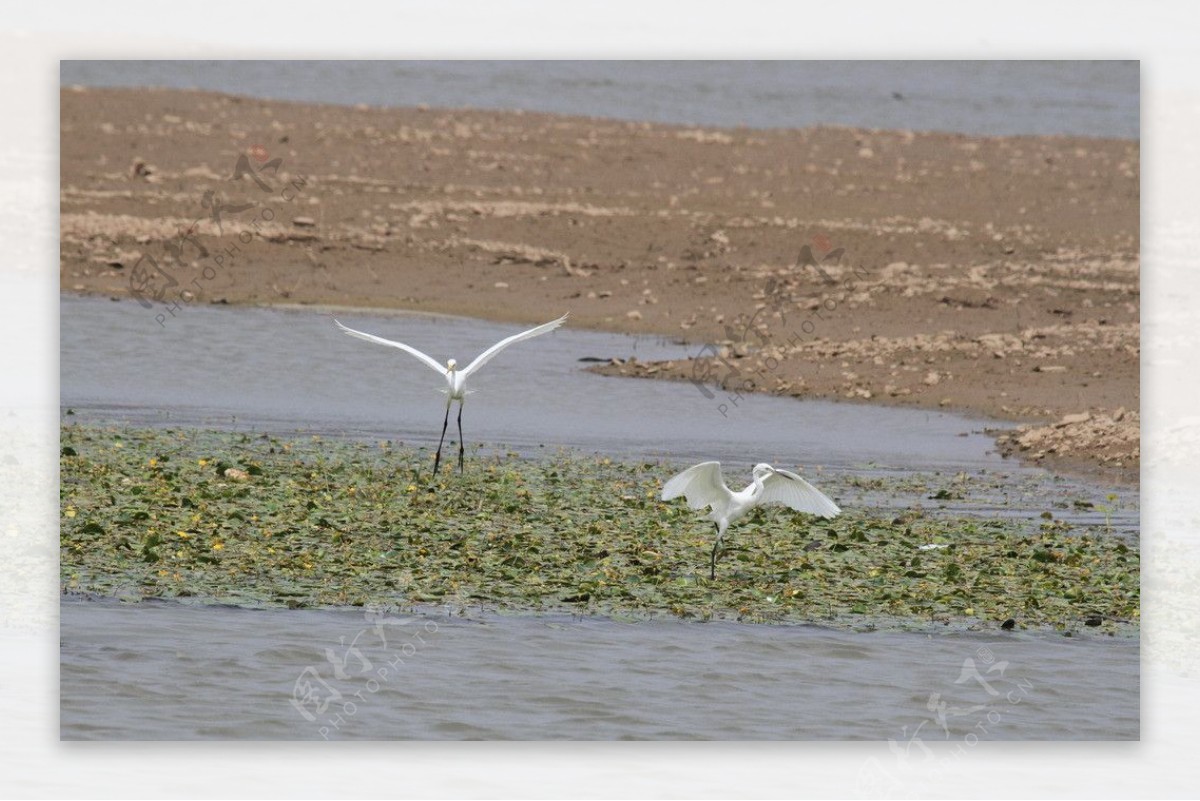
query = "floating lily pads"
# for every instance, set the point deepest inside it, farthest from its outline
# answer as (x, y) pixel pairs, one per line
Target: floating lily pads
(303, 521)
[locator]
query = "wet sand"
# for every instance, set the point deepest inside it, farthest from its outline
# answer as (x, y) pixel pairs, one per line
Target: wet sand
(997, 276)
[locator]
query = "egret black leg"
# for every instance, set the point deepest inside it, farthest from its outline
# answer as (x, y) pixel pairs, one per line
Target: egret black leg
(438, 459)
(460, 439)
(712, 568)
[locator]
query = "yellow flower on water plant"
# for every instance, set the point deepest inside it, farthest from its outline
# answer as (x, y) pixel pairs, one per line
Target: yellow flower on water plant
(183, 535)
(218, 545)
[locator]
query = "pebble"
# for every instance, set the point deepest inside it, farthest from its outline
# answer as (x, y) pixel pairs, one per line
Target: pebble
(304, 222)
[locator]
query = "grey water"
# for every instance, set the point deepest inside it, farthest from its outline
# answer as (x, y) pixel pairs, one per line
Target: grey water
(167, 671)
(1083, 98)
(292, 369)
(160, 670)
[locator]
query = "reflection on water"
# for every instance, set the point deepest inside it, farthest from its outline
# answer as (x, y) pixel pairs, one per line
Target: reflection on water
(159, 670)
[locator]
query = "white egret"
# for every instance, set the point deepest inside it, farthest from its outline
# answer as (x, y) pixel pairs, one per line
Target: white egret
(456, 379)
(703, 485)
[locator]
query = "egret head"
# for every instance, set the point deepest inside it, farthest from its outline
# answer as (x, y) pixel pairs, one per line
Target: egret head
(451, 364)
(763, 469)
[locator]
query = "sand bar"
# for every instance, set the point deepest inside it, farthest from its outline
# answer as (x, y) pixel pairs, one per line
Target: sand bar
(996, 276)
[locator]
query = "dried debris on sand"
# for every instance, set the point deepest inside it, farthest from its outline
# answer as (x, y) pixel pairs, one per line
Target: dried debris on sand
(1113, 440)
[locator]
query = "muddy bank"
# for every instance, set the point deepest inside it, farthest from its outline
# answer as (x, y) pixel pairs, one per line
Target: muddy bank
(991, 275)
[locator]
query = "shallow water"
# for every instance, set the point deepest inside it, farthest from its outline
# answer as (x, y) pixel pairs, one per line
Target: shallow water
(288, 370)
(165, 671)
(291, 371)
(156, 670)
(1086, 98)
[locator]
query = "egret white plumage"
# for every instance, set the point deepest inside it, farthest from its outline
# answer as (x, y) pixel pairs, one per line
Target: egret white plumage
(704, 485)
(456, 379)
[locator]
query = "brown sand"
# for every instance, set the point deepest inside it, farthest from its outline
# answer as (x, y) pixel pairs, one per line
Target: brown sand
(996, 276)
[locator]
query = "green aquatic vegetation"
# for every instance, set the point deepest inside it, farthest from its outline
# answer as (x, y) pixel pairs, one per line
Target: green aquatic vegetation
(1108, 508)
(295, 521)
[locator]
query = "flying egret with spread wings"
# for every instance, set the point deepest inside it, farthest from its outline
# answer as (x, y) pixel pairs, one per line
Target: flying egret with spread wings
(456, 379)
(703, 485)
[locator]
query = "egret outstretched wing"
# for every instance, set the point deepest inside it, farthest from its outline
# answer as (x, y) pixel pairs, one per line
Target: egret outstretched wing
(702, 485)
(429, 360)
(483, 358)
(789, 489)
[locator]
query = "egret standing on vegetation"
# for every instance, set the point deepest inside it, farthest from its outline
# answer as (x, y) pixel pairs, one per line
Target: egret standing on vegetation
(703, 485)
(455, 378)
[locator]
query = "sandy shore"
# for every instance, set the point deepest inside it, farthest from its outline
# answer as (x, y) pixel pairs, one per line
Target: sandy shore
(996, 276)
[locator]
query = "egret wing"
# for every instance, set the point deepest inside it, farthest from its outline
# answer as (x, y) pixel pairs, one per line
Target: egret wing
(702, 485)
(429, 360)
(484, 357)
(789, 489)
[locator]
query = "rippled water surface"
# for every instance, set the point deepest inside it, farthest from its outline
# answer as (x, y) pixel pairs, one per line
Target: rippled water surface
(161, 670)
